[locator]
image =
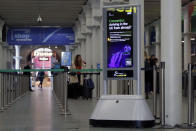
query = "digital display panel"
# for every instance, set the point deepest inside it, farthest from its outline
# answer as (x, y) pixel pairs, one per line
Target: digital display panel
(65, 58)
(120, 37)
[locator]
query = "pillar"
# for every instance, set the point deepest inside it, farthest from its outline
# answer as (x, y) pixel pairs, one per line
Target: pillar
(17, 56)
(1, 46)
(187, 38)
(67, 48)
(94, 47)
(83, 50)
(147, 36)
(89, 51)
(157, 30)
(5, 56)
(1, 56)
(171, 55)
(1, 29)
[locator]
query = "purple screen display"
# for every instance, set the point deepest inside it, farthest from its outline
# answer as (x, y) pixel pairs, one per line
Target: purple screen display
(119, 39)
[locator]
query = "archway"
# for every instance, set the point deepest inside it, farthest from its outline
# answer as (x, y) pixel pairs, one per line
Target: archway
(44, 58)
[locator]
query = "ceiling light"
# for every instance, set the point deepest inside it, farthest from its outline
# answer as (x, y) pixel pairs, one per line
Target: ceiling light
(39, 19)
(192, 38)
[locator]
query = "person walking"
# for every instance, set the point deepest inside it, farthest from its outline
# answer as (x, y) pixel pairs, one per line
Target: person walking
(27, 66)
(41, 75)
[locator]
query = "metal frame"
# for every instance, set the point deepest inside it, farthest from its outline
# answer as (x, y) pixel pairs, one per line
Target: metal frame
(136, 48)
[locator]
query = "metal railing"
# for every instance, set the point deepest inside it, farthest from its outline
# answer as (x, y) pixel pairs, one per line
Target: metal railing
(61, 86)
(60, 90)
(12, 87)
(190, 90)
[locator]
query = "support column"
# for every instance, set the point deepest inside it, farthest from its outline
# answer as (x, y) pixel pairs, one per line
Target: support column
(17, 56)
(73, 54)
(5, 56)
(94, 48)
(1, 29)
(1, 46)
(157, 29)
(147, 36)
(67, 47)
(83, 50)
(1, 56)
(187, 38)
(89, 51)
(171, 55)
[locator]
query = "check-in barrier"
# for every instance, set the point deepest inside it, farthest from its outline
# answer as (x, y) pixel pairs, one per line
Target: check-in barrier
(60, 91)
(190, 74)
(61, 86)
(91, 73)
(188, 91)
(12, 87)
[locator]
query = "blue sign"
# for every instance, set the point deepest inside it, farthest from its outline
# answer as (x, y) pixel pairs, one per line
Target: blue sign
(65, 58)
(40, 36)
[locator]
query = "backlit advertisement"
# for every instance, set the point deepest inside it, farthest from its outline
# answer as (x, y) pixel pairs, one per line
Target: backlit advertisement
(65, 58)
(120, 38)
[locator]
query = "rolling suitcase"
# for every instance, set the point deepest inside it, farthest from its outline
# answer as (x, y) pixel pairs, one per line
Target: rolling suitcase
(88, 86)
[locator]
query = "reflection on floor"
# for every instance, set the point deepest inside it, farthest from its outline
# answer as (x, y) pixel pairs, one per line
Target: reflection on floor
(46, 82)
(37, 111)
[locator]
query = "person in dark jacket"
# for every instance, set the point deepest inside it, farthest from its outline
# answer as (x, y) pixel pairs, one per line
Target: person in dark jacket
(152, 64)
(41, 75)
(28, 74)
(147, 76)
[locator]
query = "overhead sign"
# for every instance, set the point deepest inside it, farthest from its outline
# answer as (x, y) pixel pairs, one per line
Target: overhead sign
(36, 53)
(40, 36)
(43, 58)
(120, 42)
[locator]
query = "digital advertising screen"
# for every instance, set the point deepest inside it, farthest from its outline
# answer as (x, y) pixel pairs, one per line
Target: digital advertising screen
(65, 58)
(120, 37)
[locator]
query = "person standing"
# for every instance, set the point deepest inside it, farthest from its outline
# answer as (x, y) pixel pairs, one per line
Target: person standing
(76, 79)
(41, 75)
(27, 66)
(147, 76)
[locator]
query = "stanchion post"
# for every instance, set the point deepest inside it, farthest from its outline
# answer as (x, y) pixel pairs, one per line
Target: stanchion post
(97, 88)
(162, 91)
(66, 93)
(1, 92)
(9, 89)
(154, 92)
(190, 98)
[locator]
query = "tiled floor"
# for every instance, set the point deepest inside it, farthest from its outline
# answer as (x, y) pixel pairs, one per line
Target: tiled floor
(37, 111)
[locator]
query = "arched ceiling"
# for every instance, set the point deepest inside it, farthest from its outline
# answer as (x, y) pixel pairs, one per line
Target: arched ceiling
(53, 12)
(57, 12)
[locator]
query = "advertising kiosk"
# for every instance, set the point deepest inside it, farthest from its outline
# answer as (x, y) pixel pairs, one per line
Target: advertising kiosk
(122, 61)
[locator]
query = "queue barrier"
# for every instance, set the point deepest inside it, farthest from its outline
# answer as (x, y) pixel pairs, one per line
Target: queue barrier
(12, 88)
(188, 87)
(60, 87)
(14, 85)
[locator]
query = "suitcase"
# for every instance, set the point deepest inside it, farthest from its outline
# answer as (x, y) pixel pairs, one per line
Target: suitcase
(73, 91)
(88, 87)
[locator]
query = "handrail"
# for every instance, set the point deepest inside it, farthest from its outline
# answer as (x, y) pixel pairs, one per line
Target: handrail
(54, 70)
